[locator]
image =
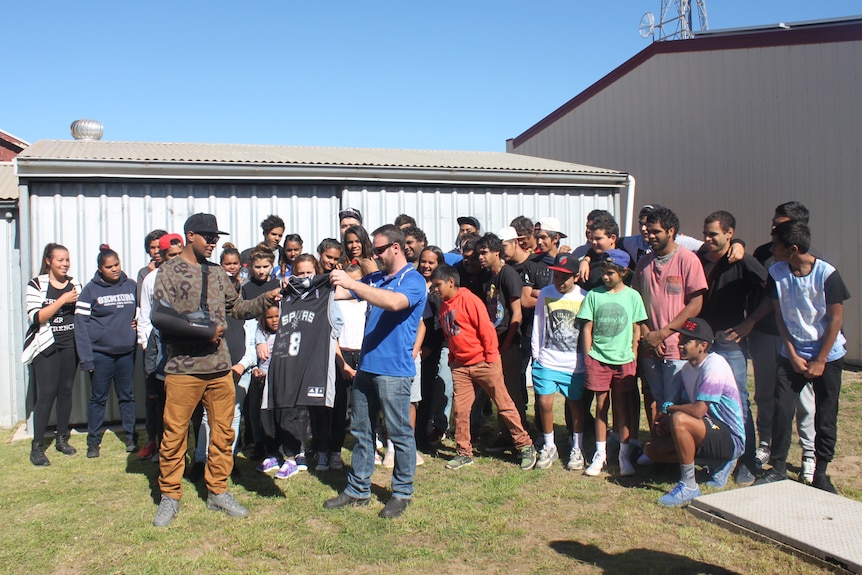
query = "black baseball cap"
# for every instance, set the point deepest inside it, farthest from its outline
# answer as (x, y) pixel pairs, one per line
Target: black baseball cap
(350, 213)
(648, 209)
(469, 220)
(203, 223)
(566, 263)
(696, 328)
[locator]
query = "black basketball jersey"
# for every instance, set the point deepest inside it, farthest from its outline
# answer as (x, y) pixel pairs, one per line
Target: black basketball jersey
(302, 362)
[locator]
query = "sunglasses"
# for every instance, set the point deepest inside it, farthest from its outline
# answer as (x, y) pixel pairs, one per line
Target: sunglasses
(208, 237)
(380, 249)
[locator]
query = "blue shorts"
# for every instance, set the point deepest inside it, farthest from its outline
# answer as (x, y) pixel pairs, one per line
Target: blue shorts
(549, 381)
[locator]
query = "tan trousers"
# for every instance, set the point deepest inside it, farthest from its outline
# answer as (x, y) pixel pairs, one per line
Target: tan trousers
(488, 376)
(182, 394)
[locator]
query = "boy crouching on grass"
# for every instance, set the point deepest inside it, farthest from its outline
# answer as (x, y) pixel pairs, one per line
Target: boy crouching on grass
(475, 360)
(706, 423)
(558, 363)
(613, 313)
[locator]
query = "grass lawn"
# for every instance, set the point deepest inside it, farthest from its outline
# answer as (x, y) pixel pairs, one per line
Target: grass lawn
(95, 516)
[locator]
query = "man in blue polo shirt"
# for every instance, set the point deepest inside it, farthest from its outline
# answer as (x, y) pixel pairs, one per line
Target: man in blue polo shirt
(396, 295)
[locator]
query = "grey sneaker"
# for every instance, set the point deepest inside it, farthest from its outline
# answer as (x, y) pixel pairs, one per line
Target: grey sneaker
(168, 509)
(547, 456)
(459, 461)
(225, 502)
(761, 455)
(744, 476)
(528, 457)
(576, 460)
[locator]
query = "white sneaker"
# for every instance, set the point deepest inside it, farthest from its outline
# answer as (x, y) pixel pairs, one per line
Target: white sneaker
(301, 461)
(626, 467)
(807, 469)
(389, 459)
(419, 459)
(576, 460)
(596, 466)
(547, 456)
(644, 460)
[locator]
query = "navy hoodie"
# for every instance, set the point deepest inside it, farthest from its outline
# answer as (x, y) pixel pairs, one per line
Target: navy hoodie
(103, 318)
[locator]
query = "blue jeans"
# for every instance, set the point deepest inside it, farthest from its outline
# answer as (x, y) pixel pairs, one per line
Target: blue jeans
(371, 393)
(662, 376)
(121, 370)
(443, 413)
(739, 365)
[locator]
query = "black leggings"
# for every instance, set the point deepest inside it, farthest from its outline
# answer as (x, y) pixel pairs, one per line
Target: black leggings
(55, 373)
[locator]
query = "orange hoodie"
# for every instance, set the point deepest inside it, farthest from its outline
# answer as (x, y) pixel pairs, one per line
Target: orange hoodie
(466, 325)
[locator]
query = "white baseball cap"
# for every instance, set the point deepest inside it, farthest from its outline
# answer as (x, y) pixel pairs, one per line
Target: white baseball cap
(550, 224)
(507, 234)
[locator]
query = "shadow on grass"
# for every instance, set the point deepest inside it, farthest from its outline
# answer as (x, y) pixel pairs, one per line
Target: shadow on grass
(635, 560)
(244, 475)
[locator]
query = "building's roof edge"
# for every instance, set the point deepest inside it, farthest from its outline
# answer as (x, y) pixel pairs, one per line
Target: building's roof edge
(65, 169)
(784, 34)
(13, 139)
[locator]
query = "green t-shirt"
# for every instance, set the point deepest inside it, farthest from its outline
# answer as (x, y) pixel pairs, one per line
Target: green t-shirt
(613, 315)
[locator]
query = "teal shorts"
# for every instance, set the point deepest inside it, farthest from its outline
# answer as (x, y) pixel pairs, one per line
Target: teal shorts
(549, 381)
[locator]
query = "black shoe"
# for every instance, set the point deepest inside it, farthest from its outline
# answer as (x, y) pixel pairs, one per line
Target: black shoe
(92, 451)
(824, 483)
(259, 451)
(771, 476)
(344, 500)
(744, 476)
(501, 445)
(395, 507)
(37, 455)
(131, 446)
(197, 472)
(235, 473)
(62, 445)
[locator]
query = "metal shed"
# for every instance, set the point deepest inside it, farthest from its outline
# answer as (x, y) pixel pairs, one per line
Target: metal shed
(84, 193)
(740, 120)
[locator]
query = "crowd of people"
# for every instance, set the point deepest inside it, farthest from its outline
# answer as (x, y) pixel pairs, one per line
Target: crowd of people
(405, 344)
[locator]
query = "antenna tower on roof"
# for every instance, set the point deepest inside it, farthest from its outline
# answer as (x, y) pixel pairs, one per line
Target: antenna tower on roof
(675, 22)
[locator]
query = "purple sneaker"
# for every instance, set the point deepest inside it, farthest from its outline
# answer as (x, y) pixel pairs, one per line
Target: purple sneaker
(289, 469)
(268, 464)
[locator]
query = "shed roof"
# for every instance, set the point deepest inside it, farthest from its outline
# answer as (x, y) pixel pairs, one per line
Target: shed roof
(47, 158)
(8, 182)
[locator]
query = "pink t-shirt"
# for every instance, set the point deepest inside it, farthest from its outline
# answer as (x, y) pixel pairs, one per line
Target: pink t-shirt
(665, 290)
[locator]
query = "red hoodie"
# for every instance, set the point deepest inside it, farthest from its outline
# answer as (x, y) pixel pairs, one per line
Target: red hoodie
(466, 325)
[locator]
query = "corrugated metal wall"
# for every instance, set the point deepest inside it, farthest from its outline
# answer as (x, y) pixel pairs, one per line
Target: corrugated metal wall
(12, 396)
(83, 215)
(437, 209)
(742, 130)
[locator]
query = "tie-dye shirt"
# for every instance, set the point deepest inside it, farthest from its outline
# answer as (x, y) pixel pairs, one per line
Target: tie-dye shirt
(713, 383)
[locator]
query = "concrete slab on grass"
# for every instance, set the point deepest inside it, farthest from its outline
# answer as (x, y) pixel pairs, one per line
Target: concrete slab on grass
(818, 524)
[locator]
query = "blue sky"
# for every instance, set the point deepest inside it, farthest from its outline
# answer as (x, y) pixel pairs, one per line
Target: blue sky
(444, 75)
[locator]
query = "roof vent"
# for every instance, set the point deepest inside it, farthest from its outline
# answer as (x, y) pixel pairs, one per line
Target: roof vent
(87, 130)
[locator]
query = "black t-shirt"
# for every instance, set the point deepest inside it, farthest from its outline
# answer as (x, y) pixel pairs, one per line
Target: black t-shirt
(434, 337)
(499, 290)
(63, 322)
(534, 274)
(733, 290)
(473, 282)
(254, 288)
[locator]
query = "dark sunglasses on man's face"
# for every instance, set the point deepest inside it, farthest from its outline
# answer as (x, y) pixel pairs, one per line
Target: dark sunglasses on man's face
(380, 249)
(208, 237)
